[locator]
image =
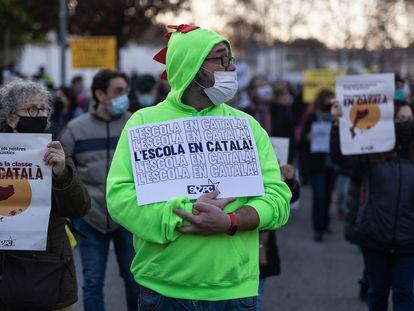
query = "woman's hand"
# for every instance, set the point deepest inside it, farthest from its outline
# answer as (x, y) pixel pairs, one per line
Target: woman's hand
(55, 157)
(288, 171)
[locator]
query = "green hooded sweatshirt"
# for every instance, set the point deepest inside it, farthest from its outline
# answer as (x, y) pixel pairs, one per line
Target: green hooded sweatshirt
(189, 266)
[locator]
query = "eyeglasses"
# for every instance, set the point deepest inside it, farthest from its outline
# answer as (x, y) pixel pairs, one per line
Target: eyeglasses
(225, 60)
(34, 111)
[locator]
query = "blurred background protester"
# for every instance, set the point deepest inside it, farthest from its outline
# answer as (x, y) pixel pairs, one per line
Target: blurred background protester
(273, 116)
(144, 92)
(91, 139)
(317, 166)
(383, 225)
(82, 97)
(65, 108)
(42, 77)
(269, 259)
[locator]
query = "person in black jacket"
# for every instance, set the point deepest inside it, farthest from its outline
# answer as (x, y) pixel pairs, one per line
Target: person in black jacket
(41, 280)
(269, 260)
(65, 108)
(383, 224)
(272, 116)
(275, 119)
(318, 166)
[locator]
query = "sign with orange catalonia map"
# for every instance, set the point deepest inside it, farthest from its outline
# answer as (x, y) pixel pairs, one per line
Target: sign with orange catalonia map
(25, 191)
(367, 124)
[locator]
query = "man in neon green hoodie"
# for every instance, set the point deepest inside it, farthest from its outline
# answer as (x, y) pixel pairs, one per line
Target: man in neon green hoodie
(188, 254)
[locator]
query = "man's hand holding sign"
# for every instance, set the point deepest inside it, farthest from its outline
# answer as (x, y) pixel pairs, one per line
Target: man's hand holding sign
(208, 216)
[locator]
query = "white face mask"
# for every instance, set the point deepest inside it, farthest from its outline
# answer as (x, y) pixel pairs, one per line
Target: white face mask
(265, 92)
(224, 88)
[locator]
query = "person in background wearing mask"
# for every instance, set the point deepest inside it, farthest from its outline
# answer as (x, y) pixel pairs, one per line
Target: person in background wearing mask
(76, 84)
(277, 122)
(43, 78)
(203, 254)
(274, 118)
(32, 280)
(92, 139)
(283, 97)
(318, 166)
(145, 92)
(65, 108)
(384, 222)
(400, 88)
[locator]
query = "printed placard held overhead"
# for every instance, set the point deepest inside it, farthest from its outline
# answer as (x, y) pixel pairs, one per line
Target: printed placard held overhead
(367, 124)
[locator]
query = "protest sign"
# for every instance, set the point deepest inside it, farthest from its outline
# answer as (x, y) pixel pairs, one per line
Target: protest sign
(93, 52)
(316, 80)
(193, 156)
(321, 136)
(367, 124)
(25, 191)
(281, 147)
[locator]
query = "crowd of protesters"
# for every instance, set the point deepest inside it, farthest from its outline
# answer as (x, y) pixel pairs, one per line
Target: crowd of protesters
(88, 122)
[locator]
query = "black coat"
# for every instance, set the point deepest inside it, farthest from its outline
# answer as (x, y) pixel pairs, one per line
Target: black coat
(385, 215)
(269, 236)
(32, 280)
(352, 206)
(282, 126)
(311, 163)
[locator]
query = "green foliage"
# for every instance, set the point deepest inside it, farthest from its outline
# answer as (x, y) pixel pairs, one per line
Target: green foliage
(125, 19)
(27, 20)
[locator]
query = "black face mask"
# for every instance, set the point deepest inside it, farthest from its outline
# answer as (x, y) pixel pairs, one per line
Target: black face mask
(404, 132)
(32, 125)
(326, 107)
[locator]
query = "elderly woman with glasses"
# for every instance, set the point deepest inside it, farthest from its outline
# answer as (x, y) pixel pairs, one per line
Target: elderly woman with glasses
(41, 280)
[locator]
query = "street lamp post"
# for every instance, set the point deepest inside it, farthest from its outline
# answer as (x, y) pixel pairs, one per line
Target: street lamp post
(63, 9)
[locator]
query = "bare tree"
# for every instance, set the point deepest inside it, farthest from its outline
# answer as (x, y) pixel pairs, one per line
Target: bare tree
(337, 23)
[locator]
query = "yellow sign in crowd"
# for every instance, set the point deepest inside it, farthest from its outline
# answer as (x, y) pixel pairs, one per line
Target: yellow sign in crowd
(93, 52)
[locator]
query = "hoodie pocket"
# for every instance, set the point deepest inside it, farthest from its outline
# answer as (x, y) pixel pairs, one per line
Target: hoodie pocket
(239, 249)
(202, 261)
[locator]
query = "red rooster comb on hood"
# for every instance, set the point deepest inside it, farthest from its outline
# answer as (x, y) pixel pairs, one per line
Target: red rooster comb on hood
(161, 56)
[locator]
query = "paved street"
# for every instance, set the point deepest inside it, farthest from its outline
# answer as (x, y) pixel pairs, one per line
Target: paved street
(315, 277)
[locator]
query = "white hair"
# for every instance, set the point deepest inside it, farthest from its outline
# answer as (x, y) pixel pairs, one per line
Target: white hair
(17, 93)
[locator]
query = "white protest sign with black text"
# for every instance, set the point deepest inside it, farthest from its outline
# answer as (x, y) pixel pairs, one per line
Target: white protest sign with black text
(25, 191)
(367, 124)
(320, 137)
(281, 148)
(193, 156)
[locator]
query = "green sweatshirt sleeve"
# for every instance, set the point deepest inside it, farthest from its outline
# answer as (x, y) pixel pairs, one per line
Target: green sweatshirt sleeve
(155, 222)
(273, 207)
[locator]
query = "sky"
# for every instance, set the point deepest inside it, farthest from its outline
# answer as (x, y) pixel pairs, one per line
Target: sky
(329, 21)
